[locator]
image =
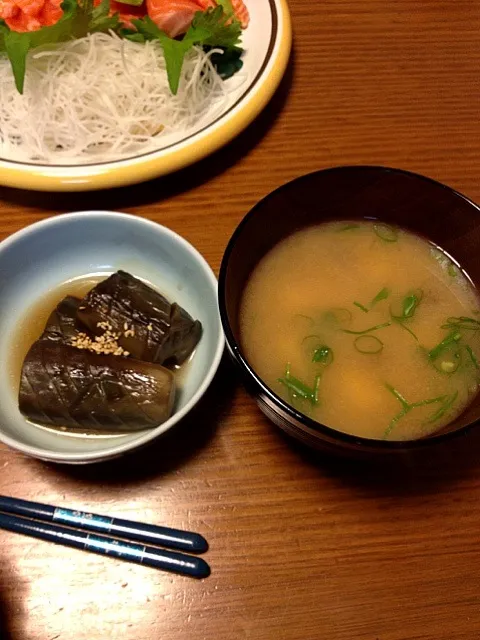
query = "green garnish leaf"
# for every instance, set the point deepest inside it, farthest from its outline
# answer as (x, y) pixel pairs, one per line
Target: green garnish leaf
(17, 46)
(173, 50)
(227, 7)
(359, 333)
(78, 20)
(101, 20)
(214, 27)
(386, 232)
(222, 30)
(368, 344)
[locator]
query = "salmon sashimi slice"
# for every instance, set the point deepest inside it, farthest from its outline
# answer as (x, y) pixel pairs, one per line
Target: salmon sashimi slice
(127, 13)
(241, 12)
(175, 16)
(51, 13)
(30, 7)
(30, 15)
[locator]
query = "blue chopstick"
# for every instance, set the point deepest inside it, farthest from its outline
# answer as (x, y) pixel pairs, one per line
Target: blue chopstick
(129, 529)
(141, 554)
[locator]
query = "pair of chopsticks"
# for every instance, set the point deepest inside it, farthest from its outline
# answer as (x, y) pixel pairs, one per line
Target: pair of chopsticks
(70, 528)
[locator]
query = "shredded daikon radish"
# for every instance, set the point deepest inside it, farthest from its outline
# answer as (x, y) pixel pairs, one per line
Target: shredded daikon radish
(102, 98)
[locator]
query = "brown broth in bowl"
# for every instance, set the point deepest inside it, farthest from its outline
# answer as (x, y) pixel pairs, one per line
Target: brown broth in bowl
(365, 328)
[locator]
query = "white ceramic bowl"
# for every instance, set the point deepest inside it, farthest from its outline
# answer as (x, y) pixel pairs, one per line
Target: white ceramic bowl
(37, 259)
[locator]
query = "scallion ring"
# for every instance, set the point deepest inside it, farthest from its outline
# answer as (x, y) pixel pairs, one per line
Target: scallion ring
(368, 344)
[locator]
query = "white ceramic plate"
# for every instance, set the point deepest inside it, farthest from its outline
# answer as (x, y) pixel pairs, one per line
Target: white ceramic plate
(267, 42)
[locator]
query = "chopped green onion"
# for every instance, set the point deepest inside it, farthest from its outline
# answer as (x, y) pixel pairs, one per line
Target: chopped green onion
(473, 357)
(368, 344)
(398, 396)
(393, 422)
(360, 333)
(449, 400)
(304, 317)
(407, 407)
(400, 324)
(317, 350)
(316, 387)
(299, 388)
(323, 354)
(381, 295)
(348, 227)
(452, 270)
(360, 306)
(424, 403)
(452, 338)
(408, 306)
(386, 232)
(463, 322)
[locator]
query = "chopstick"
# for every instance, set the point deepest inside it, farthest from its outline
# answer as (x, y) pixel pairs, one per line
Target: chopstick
(127, 529)
(141, 554)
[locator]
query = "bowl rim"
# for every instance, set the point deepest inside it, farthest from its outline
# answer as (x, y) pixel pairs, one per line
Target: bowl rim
(330, 433)
(144, 436)
(139, 168)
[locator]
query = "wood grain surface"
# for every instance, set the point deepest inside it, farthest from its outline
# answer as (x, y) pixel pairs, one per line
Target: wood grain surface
(301, 547)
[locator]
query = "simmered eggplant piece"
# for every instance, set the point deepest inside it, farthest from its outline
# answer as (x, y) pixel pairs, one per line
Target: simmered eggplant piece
(151, 329)
(62, 324)
(68, 387)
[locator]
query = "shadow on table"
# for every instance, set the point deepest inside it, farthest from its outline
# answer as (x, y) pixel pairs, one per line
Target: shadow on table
(167, 187)
(421, 472)
(8, 592)
(170, 451)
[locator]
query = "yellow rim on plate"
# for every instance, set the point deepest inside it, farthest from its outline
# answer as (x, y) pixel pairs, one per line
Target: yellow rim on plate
(155, 164)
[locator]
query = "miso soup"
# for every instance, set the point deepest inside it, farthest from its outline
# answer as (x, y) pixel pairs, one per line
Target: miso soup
(365, 328)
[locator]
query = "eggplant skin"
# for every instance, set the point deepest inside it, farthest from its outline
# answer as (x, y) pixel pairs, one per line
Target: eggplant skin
(62, 324)
(74, 388)
(162, 332)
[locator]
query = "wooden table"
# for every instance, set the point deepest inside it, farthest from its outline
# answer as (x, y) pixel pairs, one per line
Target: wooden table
(301, 547)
